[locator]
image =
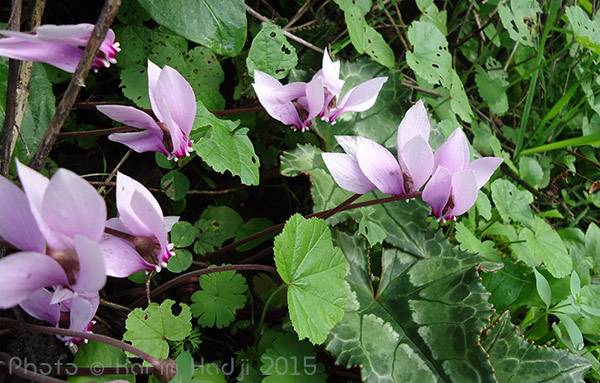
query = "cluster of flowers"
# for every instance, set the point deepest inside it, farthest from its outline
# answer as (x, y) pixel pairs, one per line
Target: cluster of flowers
(449, 180)
(67, 246)
(298, 103)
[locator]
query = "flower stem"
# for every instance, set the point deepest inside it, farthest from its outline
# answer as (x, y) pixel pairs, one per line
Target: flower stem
(346, 205)
(7, 322)
(197, 273)
(263, 315)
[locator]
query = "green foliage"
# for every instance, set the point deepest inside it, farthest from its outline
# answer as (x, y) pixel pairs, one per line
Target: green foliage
(516, 360)
(150, 329)
(314, 271)
(183, 234)
(514, 18)
(209, 373)
(220, 296)
(175, 185)
(224, 145)
(100, 355)
(220, 26)
(512, 203)
(271, 53)
(587, 32)
(492, 90)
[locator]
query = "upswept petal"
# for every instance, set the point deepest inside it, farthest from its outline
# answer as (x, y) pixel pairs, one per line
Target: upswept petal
(265, 80)
(140, 142)
(348, 143)
(60, 55)
(153, 74)
(129, 116)
(71, 206)
(415, 123)
(362, 96)
(454, 153)
(416, 160)
(83, 310)
(379, 166)
(437, 191)
(331, 74)
(347, 174)
(177, 97)
(126, 187)
(92, 271)
(26, 272)
(75, 34)
(121, 259)
(170, 220)
(39, 306)
(483, 168)
(290, 91)
(285, 112)
(315, 96)
(464, 192)
(154, 221)
(17, 224)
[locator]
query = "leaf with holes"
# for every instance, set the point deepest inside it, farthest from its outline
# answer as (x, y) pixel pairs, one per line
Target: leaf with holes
(271, 53)
(220, 296)
(429, 58)
(218, 25)
(225, 146)
(314, 271)
(586, 30)
(150, 329)
(515, 18)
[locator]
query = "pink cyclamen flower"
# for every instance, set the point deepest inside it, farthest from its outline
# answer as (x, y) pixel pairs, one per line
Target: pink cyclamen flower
(368, 165)
(57, 224)
(455, 183)
(174, 105)
(138, 239)
(58, 45)
(298, 103)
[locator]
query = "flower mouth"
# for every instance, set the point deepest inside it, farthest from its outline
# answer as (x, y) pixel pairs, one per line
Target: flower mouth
(107, 54)
(68, 260)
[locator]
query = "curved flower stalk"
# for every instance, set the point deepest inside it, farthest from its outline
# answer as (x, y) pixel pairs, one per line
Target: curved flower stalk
(298, 103)
(57, 224)
(452, 189)
(174, 105)
(137, 239)
(58, 45)
(455, 183)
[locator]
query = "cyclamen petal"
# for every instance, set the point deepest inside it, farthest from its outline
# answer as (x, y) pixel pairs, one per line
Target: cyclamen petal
(346, 173)
(83, 310)
(379, 166)
(331, 74)
(179, 98)
(39, 305)
(58, 45)
(360, 98)
(415, 123)
(437, 191)
(25, 273)
(464, 192)
(416, 160)
(483, 168)
(121, 258)
(454, 153)
(141, 142)
(17, 224)
(92, 272)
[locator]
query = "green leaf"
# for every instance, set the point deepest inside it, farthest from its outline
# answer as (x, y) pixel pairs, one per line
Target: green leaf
(432, 14)
(469, 242)
(589, 140)
(199, 66)
(586, 30)
(216, 225)
(484, 207)
(363, 5)
(100, 355)
(223, 145)
(459, 102)
(185, 368)
(512, 203)
(175, 185)
(543, 288)
(370, 228)
(515, 18)
(531, 171)
(271, 53)
(181, 261)
(366, 39)
(492, 91)
(254, 225)
(150, 329)
(314, 271)
(220, 296)
(183, 234)
(209, 373)
(423, 320)
(220, 26)
(289, 361)
(430, 58)
(546, 245)
(264, 287)
(573, 331)
(517, 360)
